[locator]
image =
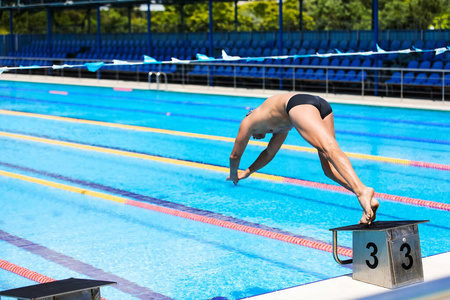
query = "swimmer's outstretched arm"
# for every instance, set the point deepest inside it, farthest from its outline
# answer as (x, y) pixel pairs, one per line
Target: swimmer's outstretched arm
(238, 150)
(267, 155)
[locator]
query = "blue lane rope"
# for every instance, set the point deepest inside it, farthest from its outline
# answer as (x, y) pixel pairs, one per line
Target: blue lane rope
(95, 66)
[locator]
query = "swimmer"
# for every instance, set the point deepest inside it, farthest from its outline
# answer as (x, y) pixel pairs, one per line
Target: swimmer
(312, 117)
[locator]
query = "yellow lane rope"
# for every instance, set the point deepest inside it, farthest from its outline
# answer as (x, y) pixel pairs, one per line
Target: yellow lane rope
(195, 135)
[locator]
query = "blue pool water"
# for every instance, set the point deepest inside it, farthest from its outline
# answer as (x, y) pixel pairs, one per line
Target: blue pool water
(62, 234)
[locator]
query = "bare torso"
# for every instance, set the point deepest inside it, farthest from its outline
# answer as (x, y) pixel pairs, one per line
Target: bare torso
(271, 116)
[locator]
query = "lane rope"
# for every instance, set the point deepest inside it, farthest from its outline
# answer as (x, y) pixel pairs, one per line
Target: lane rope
(400, 161)
(276, 178)
(26, 273)
(182, 214)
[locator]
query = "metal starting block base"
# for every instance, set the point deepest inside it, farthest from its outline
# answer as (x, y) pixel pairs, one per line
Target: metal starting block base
(386, 253)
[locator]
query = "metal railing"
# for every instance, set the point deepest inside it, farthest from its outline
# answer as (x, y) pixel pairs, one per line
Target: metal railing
(372, 80)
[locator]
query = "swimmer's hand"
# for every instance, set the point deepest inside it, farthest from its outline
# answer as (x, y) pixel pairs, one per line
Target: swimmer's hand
(235, 179)
(240, 176)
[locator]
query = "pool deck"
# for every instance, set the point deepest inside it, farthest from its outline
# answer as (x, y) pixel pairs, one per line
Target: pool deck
(344, 287)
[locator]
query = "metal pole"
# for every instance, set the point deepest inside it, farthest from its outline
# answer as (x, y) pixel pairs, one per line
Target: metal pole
(211, 43)
(280, 35)
(11, 30)
(236, 15)
(182, 17)
(301, 16)
(149, 28)
(129, 19)
(280, 29)
(49, 29)
(99, 39)
(375, 38)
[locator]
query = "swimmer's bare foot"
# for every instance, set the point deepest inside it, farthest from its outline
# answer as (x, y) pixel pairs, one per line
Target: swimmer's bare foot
(369, 205)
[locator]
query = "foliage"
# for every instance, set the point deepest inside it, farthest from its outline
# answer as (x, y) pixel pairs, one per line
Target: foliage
(256, 15)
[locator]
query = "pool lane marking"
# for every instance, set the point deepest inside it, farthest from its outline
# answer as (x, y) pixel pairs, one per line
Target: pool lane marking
(123, 285)
(226, 139)
(182, 214)
(156, 201)
(276, 178)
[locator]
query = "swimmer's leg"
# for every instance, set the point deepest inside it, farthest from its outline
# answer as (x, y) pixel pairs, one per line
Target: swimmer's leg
(320, 134)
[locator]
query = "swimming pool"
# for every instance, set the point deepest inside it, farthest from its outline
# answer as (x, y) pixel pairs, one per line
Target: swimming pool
(71, 186)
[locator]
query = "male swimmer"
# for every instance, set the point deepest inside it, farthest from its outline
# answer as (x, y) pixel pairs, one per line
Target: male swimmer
(312, 117)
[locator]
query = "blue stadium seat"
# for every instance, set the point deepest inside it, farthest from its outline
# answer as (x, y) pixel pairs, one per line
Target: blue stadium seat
(333, 44)
(434, 79)
(306, 44)
(395, 45)
(288, 73)
(437, 65)
(325, 62)
(353, 45)
(309, 74)
(384, 44)
(315, 61)
(441, 43)
(427, 56)
(323, 44)
(356, 63)
(414, 64)
(271, 73)
(420, 79)
(320, 75)
(314, 45)
(431, 44)
(244, 72)
(299, 74)
(305, 62)
(343, 46)
(350, 76)
(338, 76)
(425, 65)
(296, 44)
(408, 78)
(419, 44)
(447, 79)
(293, 51)
(345, 62)
(367, 63)
(258, 52)
(335, 62)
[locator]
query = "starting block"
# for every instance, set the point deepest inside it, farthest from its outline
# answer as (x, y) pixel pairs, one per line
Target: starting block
(67, 289)
(386, 253)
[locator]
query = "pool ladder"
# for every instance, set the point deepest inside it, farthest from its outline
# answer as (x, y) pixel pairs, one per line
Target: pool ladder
(157, 75)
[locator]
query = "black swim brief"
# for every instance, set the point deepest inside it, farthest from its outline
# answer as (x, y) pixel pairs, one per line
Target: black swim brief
(321, 104)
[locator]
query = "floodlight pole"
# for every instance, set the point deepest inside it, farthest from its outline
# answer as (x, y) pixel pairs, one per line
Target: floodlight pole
(149, 28)
(236, 15)
(49, 29)
(11, 30)
(99, 39)
(280, 34)
(211, 43)
(375, 39)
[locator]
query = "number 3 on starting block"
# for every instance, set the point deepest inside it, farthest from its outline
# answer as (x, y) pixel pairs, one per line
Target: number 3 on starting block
(387, 253)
